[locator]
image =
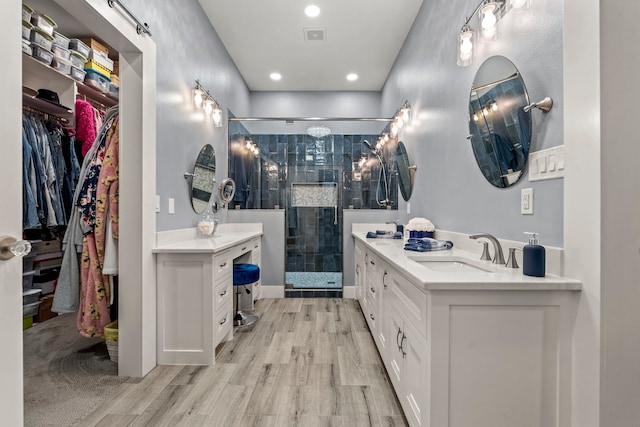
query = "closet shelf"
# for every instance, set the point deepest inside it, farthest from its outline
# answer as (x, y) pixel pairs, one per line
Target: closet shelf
(46, 107)
(95, 95)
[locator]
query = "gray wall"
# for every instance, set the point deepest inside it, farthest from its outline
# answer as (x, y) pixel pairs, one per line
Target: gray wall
(315, 104)
(188, 48)
(450, 189)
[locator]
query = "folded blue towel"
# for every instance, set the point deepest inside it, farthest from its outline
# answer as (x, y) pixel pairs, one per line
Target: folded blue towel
(427, 244)
(371, 235)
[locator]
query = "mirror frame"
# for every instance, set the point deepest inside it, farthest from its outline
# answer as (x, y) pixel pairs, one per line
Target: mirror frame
(499, 127)
(405, 171)
(203, 179)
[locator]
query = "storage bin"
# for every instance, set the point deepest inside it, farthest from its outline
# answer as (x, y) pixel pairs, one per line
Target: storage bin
(77, 59)
(27, 262)
(102, 59)
(60, 40)
(62, 65)
(43, 22)
(60, 52)
(79, 46)
(111, 337)
(95, 45)
(95, 66)
(30, 309)
(27, 281)
(30, 296)
(26, 47)
(26, 30)
(41, 54)
(77, 74)
(97, 81)
(114, 91)
(27, 11)
(27, 322)
(42, 38)
(44, 310)
(46, 287)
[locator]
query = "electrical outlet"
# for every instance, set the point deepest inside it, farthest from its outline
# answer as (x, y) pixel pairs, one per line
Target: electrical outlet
(526, 201)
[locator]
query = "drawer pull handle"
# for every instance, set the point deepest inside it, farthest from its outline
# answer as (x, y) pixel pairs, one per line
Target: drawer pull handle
(404, 354)
(383, 281)
(223, 265)
(243, 248)
(223, 321)
(224, 293)
(255, 247)
(373, 291)
(372, 263)
(398, 336)
(371, 316)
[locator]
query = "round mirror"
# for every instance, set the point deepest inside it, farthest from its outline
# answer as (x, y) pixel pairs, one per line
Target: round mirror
(500, 129)
(227, 190)
(405, 171)
(203, 179)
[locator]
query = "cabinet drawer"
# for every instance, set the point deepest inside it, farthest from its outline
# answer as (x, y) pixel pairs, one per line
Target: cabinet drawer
(223, 264)
(223, 294)
(255, 244)
(409, 300)
(223, 324)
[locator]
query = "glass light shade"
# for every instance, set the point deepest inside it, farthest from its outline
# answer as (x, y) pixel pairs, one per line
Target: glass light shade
(386, 137)
(399, 122)
(208, 106)
(197, 97)
(217, 116)
(465, 48)
(488, 16)
(406, 114)
(394, 129)
(519, 4)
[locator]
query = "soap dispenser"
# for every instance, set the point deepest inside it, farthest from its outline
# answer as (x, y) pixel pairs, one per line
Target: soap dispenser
(533, 257)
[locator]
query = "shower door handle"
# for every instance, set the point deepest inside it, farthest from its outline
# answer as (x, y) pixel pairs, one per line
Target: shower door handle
(335, 216)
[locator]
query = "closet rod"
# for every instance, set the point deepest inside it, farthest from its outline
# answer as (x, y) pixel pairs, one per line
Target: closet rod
(46, 116)
(140, 27)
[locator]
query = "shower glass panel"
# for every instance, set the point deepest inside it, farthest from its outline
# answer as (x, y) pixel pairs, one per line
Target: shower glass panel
(278, 164)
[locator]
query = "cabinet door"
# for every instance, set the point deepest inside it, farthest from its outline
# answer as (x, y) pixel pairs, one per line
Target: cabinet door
(415, 389)
(359, 271)
(394, 361)
(383, 289)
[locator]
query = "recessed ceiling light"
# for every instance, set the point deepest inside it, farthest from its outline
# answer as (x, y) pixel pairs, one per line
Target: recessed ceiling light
(351, 77)
(312, 11)
(275, 76)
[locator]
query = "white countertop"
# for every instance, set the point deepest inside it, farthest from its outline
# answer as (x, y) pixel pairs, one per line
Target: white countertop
(499, 278)
(185, 241)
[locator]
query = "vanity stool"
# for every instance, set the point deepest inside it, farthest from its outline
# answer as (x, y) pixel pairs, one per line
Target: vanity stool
(243, 275)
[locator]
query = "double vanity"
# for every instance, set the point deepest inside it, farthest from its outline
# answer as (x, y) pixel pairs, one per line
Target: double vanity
(464, 341)
(195, 290)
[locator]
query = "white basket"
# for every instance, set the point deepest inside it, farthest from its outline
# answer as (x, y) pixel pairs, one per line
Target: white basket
(112, 347)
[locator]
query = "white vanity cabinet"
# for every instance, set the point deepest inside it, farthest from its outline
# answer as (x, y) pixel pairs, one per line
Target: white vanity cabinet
(465, 352)
(195, 301)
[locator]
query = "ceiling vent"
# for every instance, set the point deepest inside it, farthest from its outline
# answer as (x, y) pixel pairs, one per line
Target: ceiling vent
(315, 34)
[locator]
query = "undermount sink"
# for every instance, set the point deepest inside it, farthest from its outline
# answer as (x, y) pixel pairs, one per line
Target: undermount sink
(450, 264)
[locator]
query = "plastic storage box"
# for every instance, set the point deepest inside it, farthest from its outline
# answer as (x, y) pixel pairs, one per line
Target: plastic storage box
(101, 59)
(77, 74)
(95, 66)
(79, 46)
(60, 52)
(45, 287)
(30, 296)
(97, 81)
(43, 39)
(111, 337)
(27, 281)
(26, 29)
(26, 47)
(43, 22)
(30, 309)
(62, 65)
(77, 59)
(114, 91)
(27, 11)
(60, 40)
(41, 54)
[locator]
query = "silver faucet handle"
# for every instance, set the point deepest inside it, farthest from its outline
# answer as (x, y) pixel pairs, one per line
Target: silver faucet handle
(485, 252)
(511, 261)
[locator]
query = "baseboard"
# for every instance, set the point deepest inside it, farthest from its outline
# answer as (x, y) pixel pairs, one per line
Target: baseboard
(349, 292)
(272, 292)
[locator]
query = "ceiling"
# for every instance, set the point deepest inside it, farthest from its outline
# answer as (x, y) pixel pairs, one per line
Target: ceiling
(266, 36)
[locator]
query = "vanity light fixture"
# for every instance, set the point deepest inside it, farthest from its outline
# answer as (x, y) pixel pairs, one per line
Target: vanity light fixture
(203, 99)
(489, 13)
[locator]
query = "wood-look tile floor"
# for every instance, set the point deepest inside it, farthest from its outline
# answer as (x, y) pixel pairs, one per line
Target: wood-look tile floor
(307, 362)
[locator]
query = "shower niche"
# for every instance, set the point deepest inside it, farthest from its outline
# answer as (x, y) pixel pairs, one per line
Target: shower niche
(277, 164)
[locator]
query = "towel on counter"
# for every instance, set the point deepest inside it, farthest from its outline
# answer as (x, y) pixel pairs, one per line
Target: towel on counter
(427, 244)
(384, 235)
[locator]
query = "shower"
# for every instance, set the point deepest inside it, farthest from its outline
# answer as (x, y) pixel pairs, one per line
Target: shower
(383, 175)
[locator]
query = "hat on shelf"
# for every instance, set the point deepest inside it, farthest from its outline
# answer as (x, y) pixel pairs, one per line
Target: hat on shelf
(51, 97)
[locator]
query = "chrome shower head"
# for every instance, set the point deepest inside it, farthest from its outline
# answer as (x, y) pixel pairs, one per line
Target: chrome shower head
(369, 145)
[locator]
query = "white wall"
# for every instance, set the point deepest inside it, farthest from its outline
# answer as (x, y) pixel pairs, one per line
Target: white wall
(450, 189)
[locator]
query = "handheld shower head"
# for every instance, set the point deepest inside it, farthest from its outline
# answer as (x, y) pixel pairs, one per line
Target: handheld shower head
(368, 145)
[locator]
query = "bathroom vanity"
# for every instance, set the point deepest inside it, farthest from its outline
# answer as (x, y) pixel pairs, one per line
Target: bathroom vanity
(195, 290)
(466, 342)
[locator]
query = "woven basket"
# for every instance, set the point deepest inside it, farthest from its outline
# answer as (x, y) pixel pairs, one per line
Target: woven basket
(112, 347)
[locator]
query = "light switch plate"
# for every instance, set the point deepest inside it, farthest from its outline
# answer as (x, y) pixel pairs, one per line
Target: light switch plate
(546, 164)
(172, 206)
(526, 201)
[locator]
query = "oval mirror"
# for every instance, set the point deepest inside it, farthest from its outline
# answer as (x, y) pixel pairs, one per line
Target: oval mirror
(203, 179)
(405, 171)
(500, 129)
(227, 190)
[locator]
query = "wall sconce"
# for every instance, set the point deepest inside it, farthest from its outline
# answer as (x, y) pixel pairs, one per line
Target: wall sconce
(203, 99)
(251, 147)
(489, 14)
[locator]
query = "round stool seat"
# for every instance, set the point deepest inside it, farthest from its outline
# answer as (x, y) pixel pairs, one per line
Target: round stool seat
(244, 274)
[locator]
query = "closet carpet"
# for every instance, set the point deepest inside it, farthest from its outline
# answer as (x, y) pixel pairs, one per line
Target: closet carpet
(66, 376)
(307, 362)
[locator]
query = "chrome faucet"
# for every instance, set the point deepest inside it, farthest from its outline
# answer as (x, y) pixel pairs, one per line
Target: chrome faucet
(498, 257)
(399, 227)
